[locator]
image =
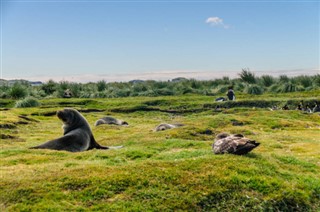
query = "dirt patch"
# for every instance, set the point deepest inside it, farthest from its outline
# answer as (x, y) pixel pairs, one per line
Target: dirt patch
(4, 136)
(237, 123)
(90, 110)
(4, 109)
(50, 113)
(21, 122)
(27, 118)
(7, 126)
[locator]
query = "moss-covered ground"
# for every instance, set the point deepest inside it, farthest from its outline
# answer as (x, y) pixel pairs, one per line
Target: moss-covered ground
(164, 171)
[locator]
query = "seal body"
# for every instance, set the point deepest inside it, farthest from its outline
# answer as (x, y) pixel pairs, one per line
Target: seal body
(77, 135)
(110, 120)
(165, 126)
(234, 144)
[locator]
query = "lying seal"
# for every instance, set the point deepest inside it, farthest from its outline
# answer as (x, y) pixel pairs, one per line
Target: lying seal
(110, 120)
(234, 144)
(161, 127)
(77, 134)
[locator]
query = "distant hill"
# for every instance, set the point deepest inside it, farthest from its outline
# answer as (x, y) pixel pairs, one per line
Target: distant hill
(136, 81)
(179, 79)
(11, 82)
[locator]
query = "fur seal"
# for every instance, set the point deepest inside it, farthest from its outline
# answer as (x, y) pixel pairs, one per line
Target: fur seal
(77, 134)
(110, 120)
(165, 126)
(234, 144)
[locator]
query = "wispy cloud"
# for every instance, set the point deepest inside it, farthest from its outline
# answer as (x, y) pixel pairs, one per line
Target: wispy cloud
(216, 21)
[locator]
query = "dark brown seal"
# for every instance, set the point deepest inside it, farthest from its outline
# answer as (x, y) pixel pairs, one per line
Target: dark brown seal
(77, 134)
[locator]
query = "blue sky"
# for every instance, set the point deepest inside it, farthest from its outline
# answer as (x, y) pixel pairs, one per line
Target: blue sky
(123, 40)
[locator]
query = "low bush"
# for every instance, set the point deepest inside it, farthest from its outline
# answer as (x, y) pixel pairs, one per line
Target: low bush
(254, 89)
(18, 91)
(27, 102)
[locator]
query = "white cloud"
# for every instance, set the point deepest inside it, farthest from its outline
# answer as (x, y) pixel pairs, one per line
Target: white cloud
(216, 21)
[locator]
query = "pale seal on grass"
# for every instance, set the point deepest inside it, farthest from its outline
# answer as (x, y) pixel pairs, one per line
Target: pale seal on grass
(111, 120)
(165, 126)
(77, 134)
(234, 144)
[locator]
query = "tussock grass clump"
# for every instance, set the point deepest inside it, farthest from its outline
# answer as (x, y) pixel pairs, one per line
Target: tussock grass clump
(18, 91)
(247, 76)
(27, 102)
(254, 89)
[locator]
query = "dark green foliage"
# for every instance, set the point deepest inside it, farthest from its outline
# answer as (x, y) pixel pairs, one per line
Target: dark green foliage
(267, 80)
(164, 92)
(289, 87)
(316, 80)
(303, 80)
(284, 78)
(4, 91)
(247, 83)
(221, 89)
(18, 91)
(247, 76)
(254, 89)
(49, 87)
(37, 92)
(275, 88)
(75, 89)
(27, 102)
(101, 85)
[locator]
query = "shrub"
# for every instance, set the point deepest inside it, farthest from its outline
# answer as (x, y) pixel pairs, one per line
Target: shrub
(164, 92)
(239, 86)
(275, 88)
(49, 87)
(122, 92)
(220, 89)
(248, 76)
(290, 87)
(18, 91)
(27, 102)
(254, 89)
(195, 84)
(101, 85)
(284, 78)
(186, 90)
(267, 80)
(303, 80)
(75, 89)
(148, 93)
(37, 93)
(316, 80)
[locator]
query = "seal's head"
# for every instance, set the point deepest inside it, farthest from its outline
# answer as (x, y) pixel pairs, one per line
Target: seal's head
(100, 121)
(162, 127)
(124, 123)
(67, 115)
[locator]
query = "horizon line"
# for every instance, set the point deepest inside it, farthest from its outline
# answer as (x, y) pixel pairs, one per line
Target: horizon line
(161, 75)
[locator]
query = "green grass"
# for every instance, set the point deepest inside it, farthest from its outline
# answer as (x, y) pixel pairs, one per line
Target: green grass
(163, 171)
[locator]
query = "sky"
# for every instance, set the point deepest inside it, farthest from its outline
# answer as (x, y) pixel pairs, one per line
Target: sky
(157, 39)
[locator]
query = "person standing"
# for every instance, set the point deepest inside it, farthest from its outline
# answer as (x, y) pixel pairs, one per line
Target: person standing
(230, 93)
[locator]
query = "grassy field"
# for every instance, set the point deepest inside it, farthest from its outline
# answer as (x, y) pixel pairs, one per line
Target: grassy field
(164, 171)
